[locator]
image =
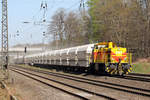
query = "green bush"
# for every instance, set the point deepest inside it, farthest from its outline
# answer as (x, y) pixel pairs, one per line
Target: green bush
(141, 68)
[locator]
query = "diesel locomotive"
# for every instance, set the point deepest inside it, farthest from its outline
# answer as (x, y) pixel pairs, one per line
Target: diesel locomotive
(107, 57)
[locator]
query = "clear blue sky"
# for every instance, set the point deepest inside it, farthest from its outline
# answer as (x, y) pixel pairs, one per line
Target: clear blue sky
(29, 10)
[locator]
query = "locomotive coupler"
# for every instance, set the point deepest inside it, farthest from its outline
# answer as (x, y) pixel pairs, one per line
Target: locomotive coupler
(119, 67)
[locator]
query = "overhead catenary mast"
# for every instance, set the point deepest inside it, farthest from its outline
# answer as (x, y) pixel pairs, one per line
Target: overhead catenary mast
(44, 8)
(82, 7)
(4, 32)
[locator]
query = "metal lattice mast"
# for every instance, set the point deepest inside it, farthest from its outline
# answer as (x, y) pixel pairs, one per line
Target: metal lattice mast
(82, 7)
(4, 34)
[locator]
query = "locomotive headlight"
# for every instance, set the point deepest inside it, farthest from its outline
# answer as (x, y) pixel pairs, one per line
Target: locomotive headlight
(112, 59)
(125, 58)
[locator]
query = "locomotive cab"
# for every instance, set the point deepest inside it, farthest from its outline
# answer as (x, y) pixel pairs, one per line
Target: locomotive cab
(109, 58)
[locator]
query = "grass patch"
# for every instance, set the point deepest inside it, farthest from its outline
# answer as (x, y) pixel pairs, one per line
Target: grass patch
(141, 68)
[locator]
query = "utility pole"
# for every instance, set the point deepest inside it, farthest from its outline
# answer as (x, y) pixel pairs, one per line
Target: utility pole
(4, 32)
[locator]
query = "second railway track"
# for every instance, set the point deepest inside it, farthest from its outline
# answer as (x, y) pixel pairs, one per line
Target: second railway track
(138, 74)
(117, 87)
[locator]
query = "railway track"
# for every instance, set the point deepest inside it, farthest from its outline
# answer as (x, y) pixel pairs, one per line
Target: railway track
(72, 90)
(136, 77)
(117, 87)
(138, 74)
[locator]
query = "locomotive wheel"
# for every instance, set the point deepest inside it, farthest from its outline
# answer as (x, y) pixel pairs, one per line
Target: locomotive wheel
(120, 73)
(96, 67)
(91, 69)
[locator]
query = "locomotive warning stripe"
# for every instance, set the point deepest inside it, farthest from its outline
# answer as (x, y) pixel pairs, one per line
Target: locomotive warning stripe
(129, 70)
(116, 57)
(119, 57)
(112, 53)
(95, 55)
(98, 53)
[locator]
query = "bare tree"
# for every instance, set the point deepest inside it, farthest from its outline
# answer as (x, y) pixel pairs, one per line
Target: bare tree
(73, 29)
(56, 27)
(67, 29)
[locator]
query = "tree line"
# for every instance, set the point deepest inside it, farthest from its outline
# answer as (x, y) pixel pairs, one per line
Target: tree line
(125, 22)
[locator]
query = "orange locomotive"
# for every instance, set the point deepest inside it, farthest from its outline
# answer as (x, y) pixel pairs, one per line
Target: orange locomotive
(107, 57)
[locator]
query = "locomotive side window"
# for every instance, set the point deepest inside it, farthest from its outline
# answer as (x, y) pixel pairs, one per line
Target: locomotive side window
(96, 47)
(109, 60)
